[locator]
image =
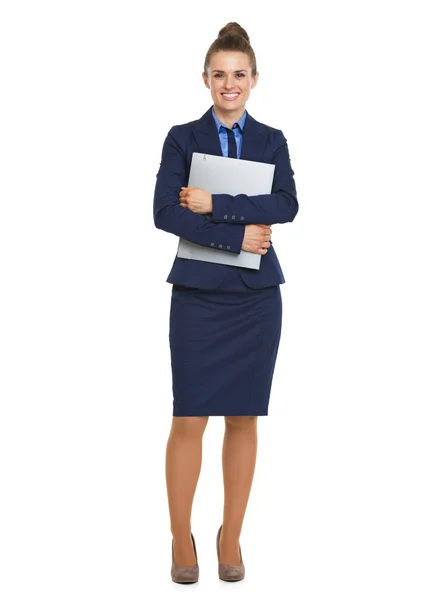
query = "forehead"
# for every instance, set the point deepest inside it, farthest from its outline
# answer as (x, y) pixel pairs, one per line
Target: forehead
(229, 61)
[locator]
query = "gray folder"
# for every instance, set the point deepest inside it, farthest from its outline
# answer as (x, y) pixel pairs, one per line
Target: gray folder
(222, 175)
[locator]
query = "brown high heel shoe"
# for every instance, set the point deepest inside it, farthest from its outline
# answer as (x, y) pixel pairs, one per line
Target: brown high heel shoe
(184, 574)
(229, 572)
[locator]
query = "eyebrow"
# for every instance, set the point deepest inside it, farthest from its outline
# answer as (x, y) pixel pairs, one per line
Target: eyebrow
(219, 71)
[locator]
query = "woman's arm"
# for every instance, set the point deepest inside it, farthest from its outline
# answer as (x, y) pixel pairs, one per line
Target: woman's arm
(281, 206)
(173, 218)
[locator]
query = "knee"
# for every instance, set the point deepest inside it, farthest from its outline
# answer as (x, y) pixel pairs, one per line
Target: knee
(189, 427)
(242, 423)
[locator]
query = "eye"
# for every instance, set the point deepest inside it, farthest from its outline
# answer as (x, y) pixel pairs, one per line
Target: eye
(240, 74)
(218, 75)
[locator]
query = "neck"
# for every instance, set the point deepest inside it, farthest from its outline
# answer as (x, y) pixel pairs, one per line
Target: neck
(229, 117)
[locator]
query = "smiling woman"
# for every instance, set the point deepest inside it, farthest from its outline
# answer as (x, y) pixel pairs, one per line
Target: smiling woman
(225, 321)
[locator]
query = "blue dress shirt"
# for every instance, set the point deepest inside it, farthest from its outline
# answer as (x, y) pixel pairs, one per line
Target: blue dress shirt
(237, 128)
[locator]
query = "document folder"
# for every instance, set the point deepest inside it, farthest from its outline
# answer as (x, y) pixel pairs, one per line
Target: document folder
(222, 175)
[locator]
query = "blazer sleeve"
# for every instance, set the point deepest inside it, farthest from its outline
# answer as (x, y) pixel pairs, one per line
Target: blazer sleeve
(173, 218)
(280, 206)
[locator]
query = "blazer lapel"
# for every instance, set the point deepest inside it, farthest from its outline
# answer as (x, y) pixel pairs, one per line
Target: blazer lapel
(254, 140)
(206, 135)
(207, 139)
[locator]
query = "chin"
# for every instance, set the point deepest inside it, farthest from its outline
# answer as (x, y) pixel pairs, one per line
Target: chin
(239, 103)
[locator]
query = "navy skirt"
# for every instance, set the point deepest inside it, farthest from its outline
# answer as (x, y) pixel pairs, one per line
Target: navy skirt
(224, 345)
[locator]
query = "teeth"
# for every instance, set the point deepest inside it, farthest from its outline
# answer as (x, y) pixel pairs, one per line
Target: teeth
(230, 95)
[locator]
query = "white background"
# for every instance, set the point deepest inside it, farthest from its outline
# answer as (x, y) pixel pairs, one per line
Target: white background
(346, 491)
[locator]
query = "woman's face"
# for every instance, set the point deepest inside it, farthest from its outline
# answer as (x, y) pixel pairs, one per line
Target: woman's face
(230, 80)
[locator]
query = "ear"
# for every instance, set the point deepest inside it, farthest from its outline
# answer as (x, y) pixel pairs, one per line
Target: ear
(205, 79)
(254, 80)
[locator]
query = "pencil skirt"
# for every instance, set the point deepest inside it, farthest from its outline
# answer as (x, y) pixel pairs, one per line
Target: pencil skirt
(223, 345)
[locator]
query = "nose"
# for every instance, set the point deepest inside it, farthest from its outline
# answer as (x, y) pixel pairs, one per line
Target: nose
(229, 81)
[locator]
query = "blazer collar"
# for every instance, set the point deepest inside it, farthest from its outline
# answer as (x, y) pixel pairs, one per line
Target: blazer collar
(206, 135)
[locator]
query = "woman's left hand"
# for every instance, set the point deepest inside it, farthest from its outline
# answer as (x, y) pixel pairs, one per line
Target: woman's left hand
(196, 199)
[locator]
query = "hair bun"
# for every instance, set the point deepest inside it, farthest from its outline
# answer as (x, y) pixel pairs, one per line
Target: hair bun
(234, 29)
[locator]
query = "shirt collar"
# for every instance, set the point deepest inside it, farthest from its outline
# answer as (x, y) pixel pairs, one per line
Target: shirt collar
(219, 124)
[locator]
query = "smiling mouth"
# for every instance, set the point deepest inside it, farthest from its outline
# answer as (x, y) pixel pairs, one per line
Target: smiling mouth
(232, 96)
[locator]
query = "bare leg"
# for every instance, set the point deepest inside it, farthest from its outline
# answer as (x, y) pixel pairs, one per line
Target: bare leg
(239, 459)
(183, 464)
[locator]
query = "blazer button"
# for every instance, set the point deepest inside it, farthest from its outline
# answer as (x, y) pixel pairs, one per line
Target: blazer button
(220, 246)
(241, 218)
(225, 217)
(212, 243)
(233, 217)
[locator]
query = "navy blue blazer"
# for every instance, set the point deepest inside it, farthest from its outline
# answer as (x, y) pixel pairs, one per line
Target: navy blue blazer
(230, 214)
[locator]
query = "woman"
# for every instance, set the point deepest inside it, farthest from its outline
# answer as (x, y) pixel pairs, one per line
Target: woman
(225, 321)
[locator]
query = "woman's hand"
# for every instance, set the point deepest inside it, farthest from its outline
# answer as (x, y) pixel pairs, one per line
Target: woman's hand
(196, 199)
(256, 238)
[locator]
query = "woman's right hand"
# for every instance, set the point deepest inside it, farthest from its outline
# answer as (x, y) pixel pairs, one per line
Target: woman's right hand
(256, 238)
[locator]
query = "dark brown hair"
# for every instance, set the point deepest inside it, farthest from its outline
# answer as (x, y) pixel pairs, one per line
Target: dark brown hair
(231, 37)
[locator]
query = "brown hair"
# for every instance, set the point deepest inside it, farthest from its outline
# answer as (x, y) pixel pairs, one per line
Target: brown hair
(231, 37)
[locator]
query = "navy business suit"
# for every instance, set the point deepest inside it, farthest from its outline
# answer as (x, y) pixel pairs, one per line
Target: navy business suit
(230, 214)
